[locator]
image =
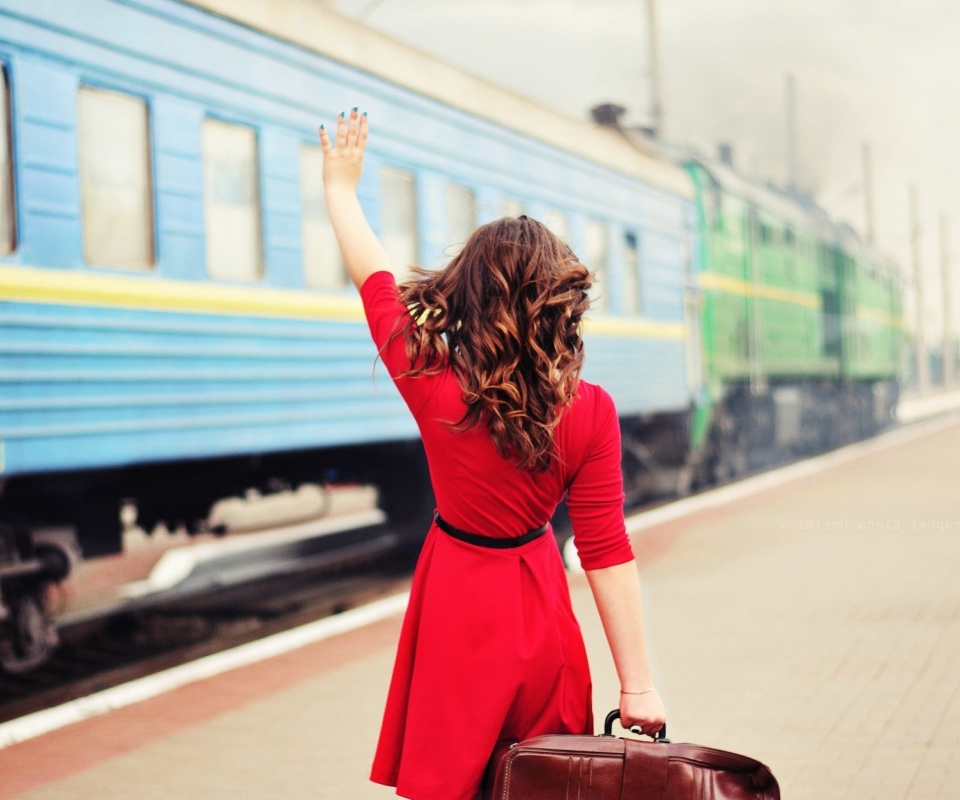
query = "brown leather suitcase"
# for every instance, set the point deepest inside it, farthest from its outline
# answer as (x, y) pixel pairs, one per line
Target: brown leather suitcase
(609, 768)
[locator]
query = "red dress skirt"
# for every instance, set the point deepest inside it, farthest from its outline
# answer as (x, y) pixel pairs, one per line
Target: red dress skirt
(490, 648)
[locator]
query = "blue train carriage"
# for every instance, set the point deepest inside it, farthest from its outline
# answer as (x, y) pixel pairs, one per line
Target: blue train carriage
(783, 307)
(176, 324)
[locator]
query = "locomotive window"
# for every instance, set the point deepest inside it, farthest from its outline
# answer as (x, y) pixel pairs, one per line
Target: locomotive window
(823, 255)
(398, 218)
(596, 260)
(231, 201)
(461, 215)
(631, 274)
(323, 266)
(511, 208)
(713, 206)
(8, 227)
(556, 221)
(115, 181)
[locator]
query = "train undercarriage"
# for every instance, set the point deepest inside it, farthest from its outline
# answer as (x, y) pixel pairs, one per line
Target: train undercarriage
(49, 522)
(756, 428)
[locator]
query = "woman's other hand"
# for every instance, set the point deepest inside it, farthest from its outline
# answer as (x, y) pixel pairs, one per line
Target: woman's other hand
(617, 592)
(644, 711)
(343, 164)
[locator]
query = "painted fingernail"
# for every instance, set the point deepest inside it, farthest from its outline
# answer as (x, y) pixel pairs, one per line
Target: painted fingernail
(355, 109)
(321, 127)
(364, 113)
(343, 114)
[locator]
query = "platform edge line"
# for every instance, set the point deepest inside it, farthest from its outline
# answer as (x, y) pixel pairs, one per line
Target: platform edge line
(41, 722)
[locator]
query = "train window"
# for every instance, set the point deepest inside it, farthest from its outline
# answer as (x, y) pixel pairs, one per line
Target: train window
(511, 208)
(631, 274)
(595, 258)
(830, 304)
(398, 217)
(788, 238)
(461, 215)
(713, 206)
(823, 255)
(323, 266)
(115, 180)
(8, 224)
(556, 221)
(231, 201)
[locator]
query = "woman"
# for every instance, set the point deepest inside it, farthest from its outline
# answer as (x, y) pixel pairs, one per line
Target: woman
(487, 355)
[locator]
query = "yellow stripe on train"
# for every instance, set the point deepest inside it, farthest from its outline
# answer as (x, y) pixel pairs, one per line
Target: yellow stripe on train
(880, 317)
(725, 283)
(69, 287)
(635, 328)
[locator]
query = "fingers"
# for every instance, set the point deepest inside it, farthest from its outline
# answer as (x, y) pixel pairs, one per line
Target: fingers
(352, 127)
(644, 712)
(352, 130)
(364, 130)
(645, 728)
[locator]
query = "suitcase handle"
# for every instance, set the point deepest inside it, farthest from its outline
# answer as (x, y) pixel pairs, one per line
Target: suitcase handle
(659, 736)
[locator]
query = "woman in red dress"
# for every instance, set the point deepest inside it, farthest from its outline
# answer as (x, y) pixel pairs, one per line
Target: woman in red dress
(487, 355)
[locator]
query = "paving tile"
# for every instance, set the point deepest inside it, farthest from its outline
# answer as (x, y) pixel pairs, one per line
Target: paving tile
(815, 627)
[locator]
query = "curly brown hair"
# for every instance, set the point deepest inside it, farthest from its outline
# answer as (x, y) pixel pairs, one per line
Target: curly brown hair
(505, 315)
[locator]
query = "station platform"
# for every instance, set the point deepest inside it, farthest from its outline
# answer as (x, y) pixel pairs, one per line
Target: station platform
(810, 619)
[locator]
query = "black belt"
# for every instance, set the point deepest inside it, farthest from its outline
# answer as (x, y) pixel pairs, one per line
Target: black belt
(488, 541)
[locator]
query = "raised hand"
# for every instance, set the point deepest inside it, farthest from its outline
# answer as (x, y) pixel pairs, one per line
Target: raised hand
(343, 164)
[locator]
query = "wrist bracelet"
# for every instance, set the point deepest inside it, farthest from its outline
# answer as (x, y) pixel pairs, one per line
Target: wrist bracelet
(645, 691)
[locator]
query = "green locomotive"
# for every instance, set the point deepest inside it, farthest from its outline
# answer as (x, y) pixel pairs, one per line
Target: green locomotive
(802, 328)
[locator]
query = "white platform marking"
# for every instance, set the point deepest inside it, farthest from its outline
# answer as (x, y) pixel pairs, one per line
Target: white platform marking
(32, 725)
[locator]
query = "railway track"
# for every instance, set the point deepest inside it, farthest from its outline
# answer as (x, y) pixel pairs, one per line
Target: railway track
(123, 646)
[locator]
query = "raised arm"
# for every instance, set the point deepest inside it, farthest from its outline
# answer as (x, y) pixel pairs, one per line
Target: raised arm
(362, 251)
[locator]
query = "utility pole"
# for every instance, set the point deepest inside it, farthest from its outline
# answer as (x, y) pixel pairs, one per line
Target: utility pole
(868, 192)
(922, 370)
(791, 132)
(656, 87)
(949, 365)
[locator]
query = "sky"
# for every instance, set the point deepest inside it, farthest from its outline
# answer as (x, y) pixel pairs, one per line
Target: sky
(885, 72)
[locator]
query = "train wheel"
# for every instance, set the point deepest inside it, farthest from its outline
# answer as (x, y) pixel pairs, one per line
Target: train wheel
(32, 637)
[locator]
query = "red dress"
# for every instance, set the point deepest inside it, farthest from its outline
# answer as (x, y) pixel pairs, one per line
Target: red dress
(490, 648)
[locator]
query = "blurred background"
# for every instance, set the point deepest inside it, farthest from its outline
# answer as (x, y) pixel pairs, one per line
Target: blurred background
(197, 452)
(879, 75)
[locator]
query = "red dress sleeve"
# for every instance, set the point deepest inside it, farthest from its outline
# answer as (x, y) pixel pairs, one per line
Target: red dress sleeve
(595, 495)
(386, 315)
